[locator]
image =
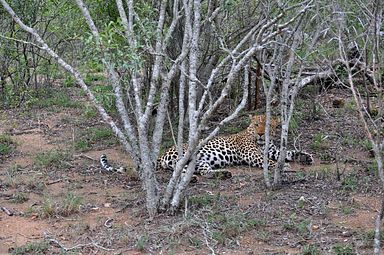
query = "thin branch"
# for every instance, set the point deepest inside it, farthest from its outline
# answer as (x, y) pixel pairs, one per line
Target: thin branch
(54, 241)
(21, 41)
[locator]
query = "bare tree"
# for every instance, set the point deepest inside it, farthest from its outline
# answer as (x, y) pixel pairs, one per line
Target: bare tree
(147, 83)
(284, 70)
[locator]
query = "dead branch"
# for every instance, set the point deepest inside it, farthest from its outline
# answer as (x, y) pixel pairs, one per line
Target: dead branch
(28, 131)
(84, 156)
(108, 223)
(205, 232)
(54, 181)
(6, 211)
(58, 244)
(29, 237)
(6, 196)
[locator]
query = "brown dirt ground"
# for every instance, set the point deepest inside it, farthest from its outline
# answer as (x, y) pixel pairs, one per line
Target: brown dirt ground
(235, 216)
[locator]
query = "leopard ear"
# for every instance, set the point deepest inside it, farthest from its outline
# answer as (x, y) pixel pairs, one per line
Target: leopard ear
(261, 118)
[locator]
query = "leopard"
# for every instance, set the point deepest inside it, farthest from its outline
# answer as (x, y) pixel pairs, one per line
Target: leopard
(107, 167)
(243, 148)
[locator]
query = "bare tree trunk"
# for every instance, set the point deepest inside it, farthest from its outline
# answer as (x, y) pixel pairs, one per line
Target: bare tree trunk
(145, 164)
(194, 32)
(268, 98)
(287, 102)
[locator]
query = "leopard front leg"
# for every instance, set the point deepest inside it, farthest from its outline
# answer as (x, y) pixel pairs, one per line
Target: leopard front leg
(205, 169)
(184, 172)
(291, 155)
(302, 157)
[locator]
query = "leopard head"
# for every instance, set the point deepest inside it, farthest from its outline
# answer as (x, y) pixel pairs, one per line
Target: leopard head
(257, 127)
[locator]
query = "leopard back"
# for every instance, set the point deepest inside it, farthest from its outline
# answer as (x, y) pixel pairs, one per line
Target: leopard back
(241, 148)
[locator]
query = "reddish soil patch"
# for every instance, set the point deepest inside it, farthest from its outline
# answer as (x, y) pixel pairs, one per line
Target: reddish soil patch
(32, 143)
(16, 231)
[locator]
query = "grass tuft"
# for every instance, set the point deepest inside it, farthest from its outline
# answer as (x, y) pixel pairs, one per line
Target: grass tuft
(310, 250)
(343, 249)
(19, 198)
(51, 159)
(7, 145)
(31, 248)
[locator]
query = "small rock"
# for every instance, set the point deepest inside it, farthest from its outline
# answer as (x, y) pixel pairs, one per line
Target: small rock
(347, 234)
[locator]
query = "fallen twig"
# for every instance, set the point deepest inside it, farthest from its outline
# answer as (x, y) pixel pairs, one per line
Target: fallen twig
(85, 156)
(54, 241)
(124, 207)
(54, 181)
(7, 211)
(206, 238)
(100, 247)
(28, 131)
(68, 164)
(28, 237)
(108, 223)
(206, 233)
(6, 196)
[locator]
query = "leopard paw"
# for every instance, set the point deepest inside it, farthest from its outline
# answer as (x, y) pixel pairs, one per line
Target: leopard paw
(304, 158)
(194, 179)
(223, 175)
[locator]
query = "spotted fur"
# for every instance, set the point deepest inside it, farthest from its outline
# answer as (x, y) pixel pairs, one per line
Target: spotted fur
(291, 155)
(107, 167)
(244, 148)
